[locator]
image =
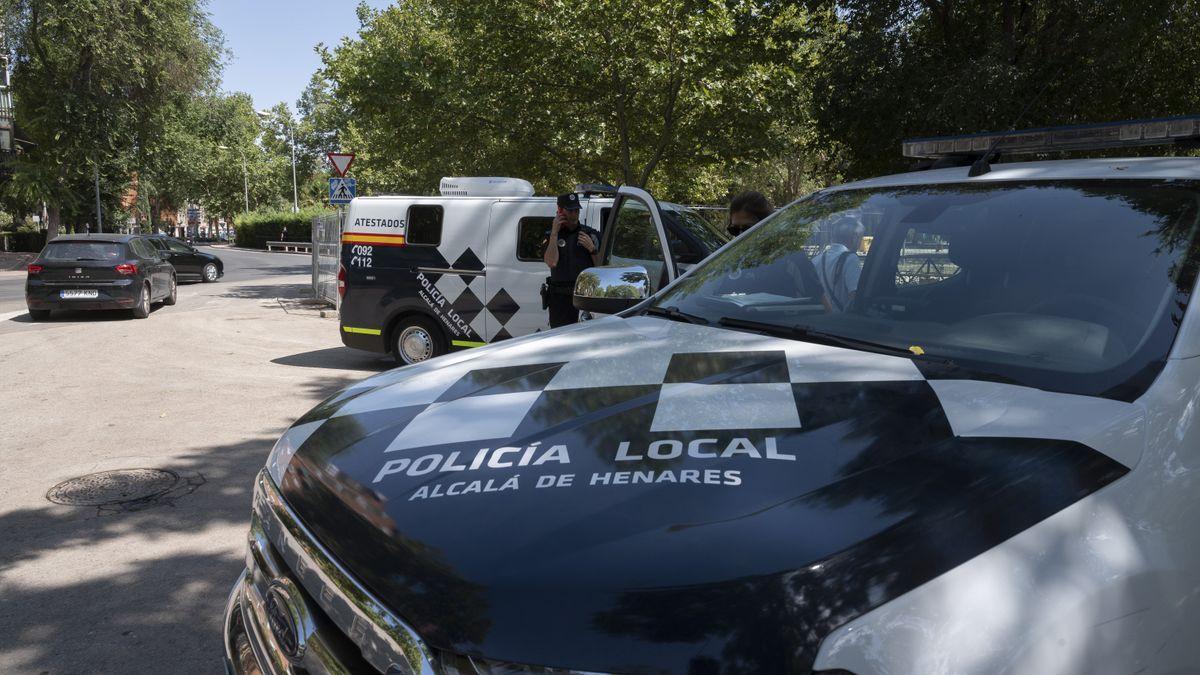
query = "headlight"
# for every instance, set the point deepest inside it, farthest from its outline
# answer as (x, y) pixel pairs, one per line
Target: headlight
(285, 448)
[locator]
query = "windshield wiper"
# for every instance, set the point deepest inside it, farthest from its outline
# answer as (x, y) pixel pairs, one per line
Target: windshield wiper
(813, 335)
(88, 259)
(674, 314)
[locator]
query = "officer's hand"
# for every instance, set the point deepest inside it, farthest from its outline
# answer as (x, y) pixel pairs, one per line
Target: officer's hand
(557, 224)
(586, 242)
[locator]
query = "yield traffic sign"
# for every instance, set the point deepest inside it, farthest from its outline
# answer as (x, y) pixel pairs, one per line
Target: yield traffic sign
(340, 161)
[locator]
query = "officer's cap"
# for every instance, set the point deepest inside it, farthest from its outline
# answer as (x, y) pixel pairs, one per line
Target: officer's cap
(569, 201)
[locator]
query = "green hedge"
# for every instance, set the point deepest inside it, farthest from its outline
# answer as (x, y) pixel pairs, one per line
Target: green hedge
(256, 228)
(26, 241)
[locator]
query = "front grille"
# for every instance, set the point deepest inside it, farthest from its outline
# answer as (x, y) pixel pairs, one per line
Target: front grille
(352, 630)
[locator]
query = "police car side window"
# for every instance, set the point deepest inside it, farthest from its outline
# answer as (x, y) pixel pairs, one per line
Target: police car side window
(531, 238)
(424, 225)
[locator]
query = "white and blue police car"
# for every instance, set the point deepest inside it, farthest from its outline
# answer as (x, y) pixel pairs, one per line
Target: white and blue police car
(987, 461)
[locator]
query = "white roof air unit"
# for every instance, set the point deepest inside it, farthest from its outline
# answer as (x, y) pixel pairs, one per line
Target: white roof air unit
(485, 186)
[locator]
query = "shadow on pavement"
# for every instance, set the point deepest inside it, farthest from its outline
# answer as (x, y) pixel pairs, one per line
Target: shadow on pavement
(84, 316)
(341, 358)
(159, 611)
(284, 291)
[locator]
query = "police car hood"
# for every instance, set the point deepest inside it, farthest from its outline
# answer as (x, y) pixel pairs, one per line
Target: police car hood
(647, 495)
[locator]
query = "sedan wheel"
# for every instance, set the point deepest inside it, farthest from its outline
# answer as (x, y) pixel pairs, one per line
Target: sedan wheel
(173, 295)
(210, 273)
(142, 310)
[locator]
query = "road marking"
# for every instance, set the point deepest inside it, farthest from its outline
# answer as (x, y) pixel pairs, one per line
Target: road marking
(13, 315)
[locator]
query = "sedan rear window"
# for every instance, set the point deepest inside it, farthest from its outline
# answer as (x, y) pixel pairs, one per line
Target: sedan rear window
(83, 250)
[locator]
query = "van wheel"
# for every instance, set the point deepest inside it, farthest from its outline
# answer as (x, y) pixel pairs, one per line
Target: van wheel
(417, 340)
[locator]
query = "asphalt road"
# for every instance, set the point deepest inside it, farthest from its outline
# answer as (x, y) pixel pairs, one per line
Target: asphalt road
(201, 390)
(240, 265)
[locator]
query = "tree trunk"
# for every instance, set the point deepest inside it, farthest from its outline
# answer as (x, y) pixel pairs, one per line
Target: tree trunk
(53, 222)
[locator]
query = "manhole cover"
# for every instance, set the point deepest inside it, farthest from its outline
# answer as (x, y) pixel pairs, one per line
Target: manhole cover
(113, 487)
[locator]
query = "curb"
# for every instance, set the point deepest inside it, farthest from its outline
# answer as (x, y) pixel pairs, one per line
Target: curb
(257, 250)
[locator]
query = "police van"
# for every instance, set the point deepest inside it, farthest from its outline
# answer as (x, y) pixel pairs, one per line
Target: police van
(421, 276)
(987, 461)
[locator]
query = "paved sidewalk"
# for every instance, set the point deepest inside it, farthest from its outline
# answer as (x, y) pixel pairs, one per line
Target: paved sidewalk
(201, 389)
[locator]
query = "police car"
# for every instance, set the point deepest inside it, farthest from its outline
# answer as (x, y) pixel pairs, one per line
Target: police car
(421, 276)
(988, 462)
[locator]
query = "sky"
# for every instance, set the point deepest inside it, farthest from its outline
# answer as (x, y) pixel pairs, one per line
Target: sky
(272, 42)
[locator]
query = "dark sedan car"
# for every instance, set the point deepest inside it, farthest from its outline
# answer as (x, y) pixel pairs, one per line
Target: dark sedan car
(189, 263)
(101, 271)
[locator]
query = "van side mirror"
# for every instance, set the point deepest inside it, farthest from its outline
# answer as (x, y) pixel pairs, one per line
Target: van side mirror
(608, 290)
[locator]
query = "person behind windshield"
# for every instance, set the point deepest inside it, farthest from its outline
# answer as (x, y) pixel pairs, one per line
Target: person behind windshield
(746, 210)
(791, 276)
(838, 266)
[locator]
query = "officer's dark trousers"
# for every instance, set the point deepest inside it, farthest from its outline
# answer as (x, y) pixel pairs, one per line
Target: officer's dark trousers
(562, 310)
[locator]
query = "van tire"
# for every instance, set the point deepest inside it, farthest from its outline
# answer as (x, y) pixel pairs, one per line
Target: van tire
(416, 339)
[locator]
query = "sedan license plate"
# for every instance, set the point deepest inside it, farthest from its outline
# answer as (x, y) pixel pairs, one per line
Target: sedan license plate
(83, 294)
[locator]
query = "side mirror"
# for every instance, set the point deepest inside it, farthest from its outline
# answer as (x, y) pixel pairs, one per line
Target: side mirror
(608, 290)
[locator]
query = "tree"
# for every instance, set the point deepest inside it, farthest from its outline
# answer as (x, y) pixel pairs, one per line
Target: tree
(95, 82)
(645, 94)
(907, 68)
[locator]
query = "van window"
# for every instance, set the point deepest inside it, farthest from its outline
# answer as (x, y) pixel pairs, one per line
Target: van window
(424, 225)
(532, 233)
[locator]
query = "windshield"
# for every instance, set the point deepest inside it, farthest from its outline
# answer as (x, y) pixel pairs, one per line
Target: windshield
(696, 224)
(1075, 286)
(83, 250)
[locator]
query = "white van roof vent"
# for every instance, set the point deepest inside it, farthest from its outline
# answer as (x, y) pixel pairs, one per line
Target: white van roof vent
(485, 186)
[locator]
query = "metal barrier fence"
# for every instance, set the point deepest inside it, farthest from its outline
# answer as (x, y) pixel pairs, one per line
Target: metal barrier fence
(326, 256)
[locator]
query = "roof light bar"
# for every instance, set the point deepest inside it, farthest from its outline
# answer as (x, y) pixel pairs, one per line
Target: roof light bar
(1134, 133)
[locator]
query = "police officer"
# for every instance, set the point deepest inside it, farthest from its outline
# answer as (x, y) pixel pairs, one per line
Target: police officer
(570, 249)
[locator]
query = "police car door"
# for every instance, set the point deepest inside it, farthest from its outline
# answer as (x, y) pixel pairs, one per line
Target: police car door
(635, 235)
(515, 269)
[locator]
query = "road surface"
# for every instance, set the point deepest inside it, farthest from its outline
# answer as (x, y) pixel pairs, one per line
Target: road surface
(240, 265)
(202, 390)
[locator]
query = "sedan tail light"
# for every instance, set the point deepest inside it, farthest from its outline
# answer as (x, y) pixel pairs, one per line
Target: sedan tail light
(126, 269)
(35, 269)
(341, 281)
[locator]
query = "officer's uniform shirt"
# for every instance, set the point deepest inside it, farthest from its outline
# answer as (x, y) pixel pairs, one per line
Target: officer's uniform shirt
(573, 258)
(838, 284)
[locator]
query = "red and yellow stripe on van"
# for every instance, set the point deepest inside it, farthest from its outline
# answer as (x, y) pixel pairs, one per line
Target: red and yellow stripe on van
(373, 239)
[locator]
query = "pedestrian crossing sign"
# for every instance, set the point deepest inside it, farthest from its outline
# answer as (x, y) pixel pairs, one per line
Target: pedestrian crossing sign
(341, 190)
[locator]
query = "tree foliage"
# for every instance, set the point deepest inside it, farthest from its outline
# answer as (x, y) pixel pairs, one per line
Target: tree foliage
(643, 93)
(903, 68)
(95, 84)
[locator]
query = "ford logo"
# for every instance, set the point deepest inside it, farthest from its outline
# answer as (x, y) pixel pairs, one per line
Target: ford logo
(288, 618)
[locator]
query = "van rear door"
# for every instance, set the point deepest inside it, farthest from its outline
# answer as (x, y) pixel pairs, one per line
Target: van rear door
(515, 268)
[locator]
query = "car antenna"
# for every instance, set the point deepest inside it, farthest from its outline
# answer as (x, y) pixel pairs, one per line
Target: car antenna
(982, 165)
